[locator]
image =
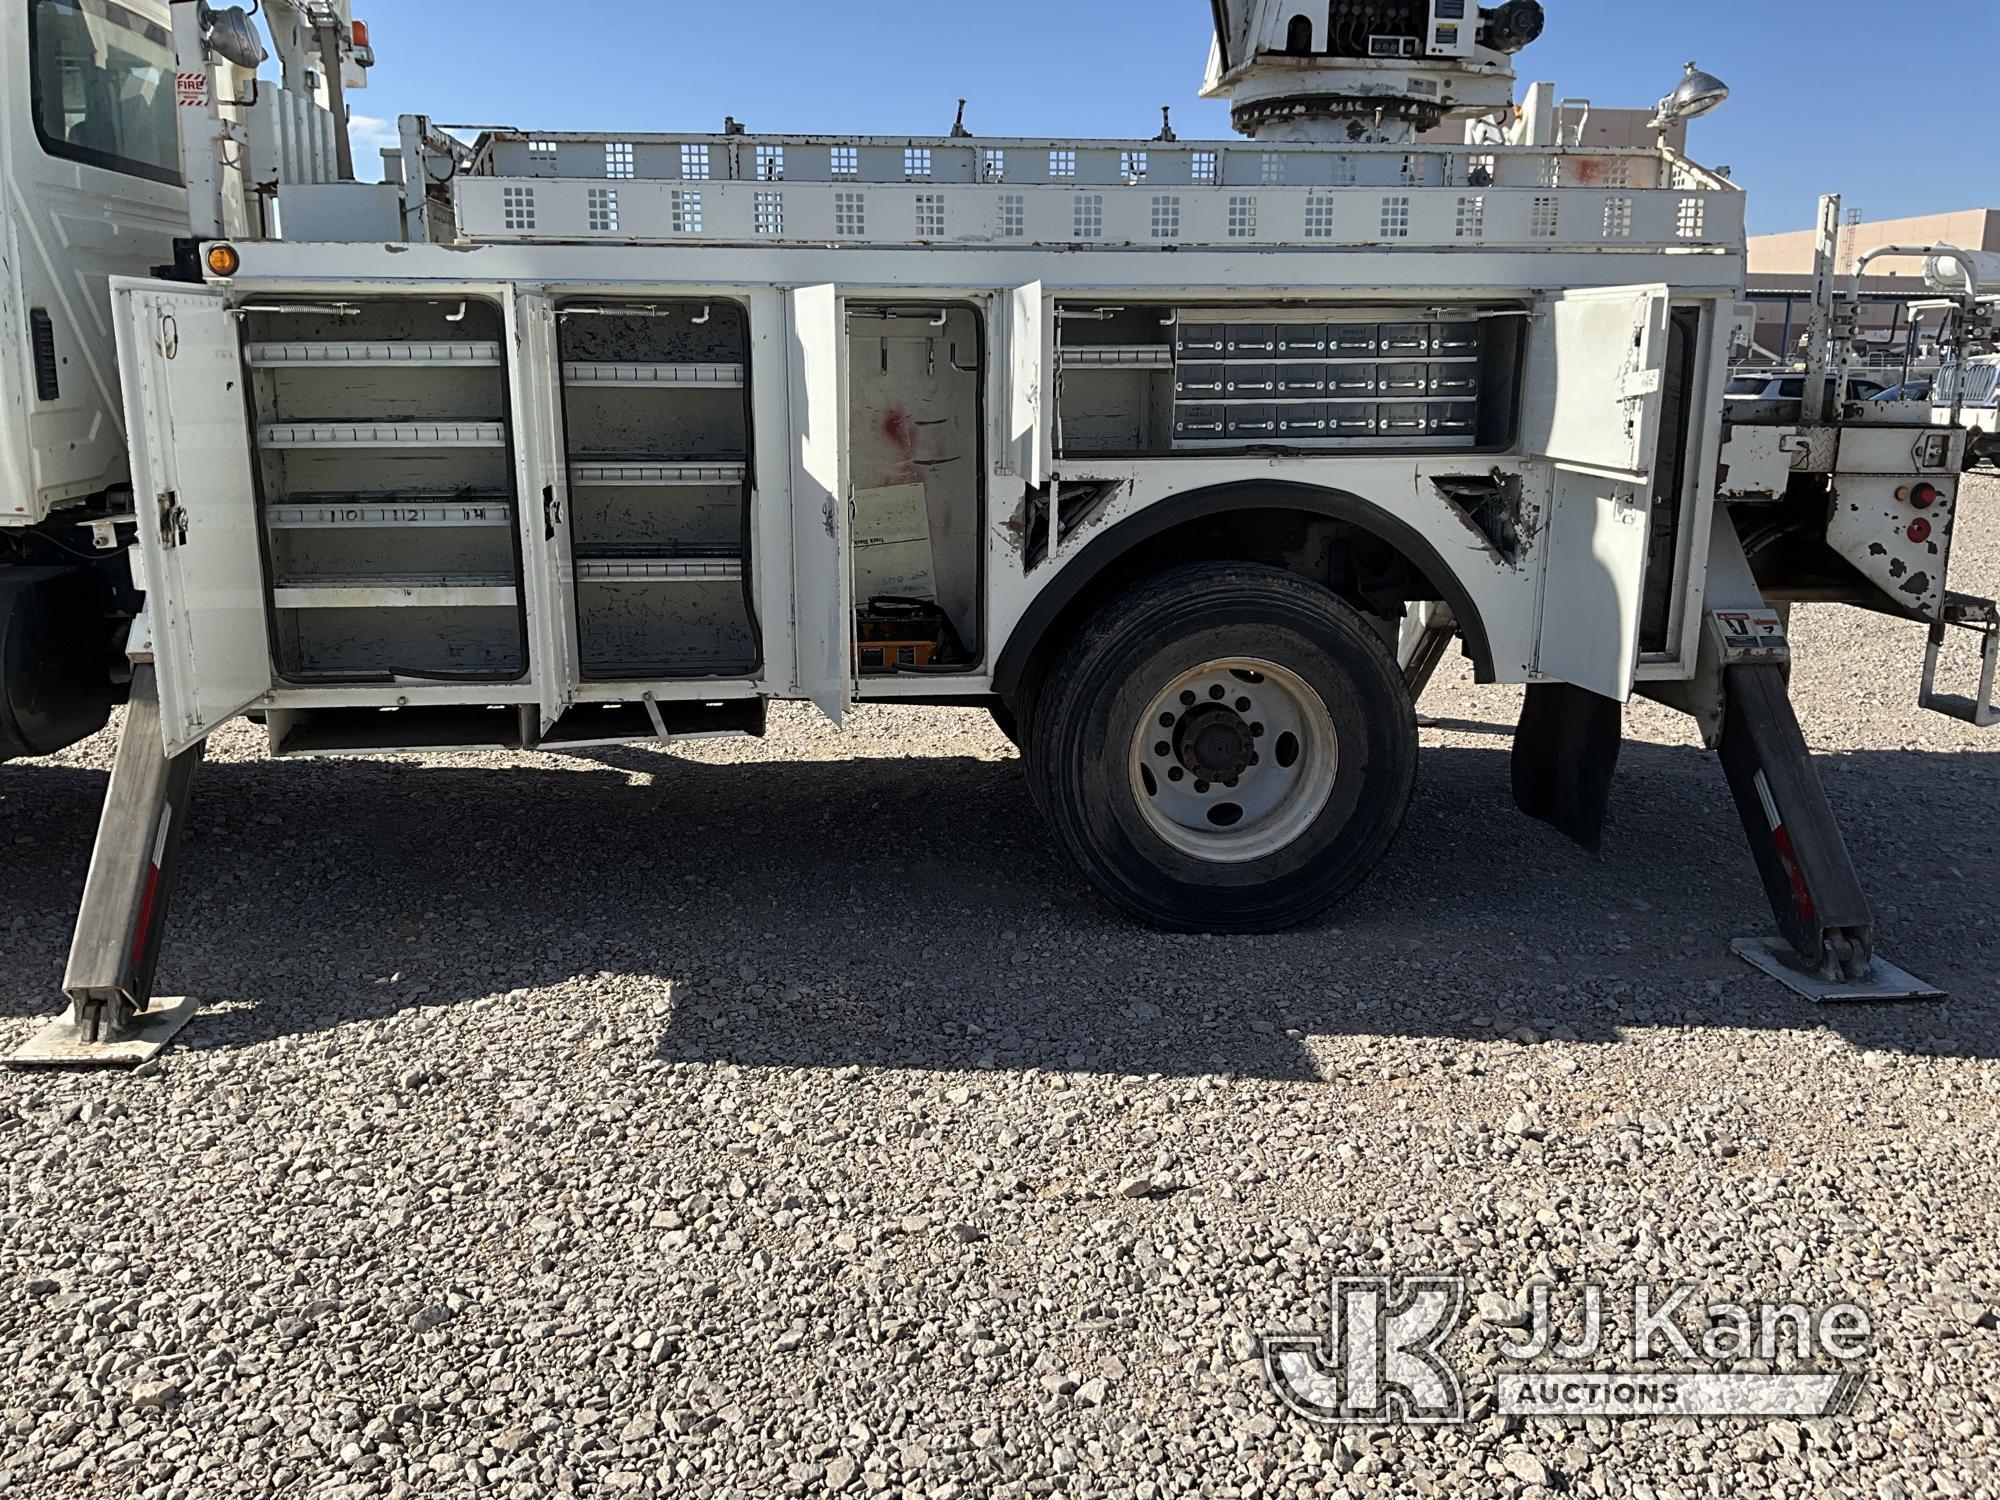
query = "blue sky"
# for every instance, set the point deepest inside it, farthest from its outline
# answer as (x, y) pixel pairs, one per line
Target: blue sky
(1104, 68)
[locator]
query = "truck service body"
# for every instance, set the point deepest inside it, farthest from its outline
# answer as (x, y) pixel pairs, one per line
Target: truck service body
(1189, 459)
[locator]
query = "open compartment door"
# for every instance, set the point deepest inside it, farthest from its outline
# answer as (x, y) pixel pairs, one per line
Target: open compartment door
(1023, 367)
(822, 576)
(188, 425)
(541, 455)
(1596, 377)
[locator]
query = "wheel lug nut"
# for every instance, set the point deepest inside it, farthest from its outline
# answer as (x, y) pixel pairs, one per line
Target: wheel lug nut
(1163, 749)
(1166, 721)
(1230, 783)
(1243, 705)
(1202, 787)
(1188, 699)
(1257, 731)
(1217, 691)
(1176, 774)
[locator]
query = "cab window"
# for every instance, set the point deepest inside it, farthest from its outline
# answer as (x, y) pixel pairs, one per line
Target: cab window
(103, 84)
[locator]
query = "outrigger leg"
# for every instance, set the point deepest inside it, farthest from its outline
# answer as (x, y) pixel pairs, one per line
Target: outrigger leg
(113, 1020)
(1740, 696)
(1826, 944)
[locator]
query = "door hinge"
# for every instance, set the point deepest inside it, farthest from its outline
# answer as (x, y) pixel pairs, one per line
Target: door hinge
(173, 520)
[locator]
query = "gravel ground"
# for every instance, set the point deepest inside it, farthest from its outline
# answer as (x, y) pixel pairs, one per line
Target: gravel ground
(785, 1119)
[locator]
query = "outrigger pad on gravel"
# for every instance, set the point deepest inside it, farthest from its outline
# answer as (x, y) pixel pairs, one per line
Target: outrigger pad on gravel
(1565, 757)
(60, 1045)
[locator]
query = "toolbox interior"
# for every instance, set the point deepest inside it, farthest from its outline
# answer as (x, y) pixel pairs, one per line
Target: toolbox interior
(656, 421)
(384, 462)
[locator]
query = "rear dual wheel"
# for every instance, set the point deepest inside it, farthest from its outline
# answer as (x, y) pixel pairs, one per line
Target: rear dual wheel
(1225, 748)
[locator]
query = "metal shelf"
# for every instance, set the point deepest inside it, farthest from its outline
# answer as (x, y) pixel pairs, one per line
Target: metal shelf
(1330, 445)
(381, 355)
(451, 592)
(612, 472)
(659, 570)
(372, 512)
(599, 670)
(1289, 361)
(282, 435)
(1118, 357)
(647, 376)
(1433, 399)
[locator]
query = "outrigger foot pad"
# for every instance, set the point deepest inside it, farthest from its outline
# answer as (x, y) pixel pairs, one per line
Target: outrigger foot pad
(1884, 980)
(66, 1043)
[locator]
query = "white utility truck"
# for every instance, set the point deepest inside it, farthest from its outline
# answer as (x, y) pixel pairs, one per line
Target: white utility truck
(91, 188)
(1188, 458)
(1966, 391)
(1967, 394)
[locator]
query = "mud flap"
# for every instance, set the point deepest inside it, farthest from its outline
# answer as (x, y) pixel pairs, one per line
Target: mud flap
(1565, 757)
(1809, 879)
(55, 677)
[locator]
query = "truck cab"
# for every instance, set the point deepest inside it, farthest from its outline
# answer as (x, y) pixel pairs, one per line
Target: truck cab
(89, 148)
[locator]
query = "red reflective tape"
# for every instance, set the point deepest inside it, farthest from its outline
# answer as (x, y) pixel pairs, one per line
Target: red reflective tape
(151, 897)
(145, 915)
(1801, 899)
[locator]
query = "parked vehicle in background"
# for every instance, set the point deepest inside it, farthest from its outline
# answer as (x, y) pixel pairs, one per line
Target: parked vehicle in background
(1973, 387)
(1918, 388)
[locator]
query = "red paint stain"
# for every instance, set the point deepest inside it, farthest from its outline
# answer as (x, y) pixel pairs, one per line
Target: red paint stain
(896, 428)
(1588, 170)
(903, 436)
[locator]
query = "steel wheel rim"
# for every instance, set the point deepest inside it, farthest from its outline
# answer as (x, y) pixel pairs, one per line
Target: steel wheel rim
(1234, 760)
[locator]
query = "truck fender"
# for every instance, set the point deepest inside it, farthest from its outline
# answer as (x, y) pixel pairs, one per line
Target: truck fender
(1104, 553)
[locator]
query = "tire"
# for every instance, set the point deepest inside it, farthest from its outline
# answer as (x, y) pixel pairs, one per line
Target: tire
(1288, 838)
(1008, 723)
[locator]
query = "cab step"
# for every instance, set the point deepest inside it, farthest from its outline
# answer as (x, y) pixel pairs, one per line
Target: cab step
(1965, 612)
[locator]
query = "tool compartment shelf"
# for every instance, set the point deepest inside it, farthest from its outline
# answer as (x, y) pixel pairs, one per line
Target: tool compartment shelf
(452, 591)
(656, 429)
(332, 355)
(335, 512)
(1118, 357)
(611, 472)
(659, 570)
(1144, 381)
(578, 374)
(278, 435)
(384, 461)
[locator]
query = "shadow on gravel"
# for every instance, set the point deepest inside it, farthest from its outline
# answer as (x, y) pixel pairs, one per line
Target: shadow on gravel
(911, 913)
